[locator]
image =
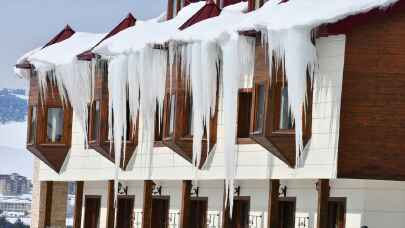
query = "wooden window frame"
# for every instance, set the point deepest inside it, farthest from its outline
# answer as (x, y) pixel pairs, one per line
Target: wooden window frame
(279, 142)
(102, 144)
(53, 154)
(180, 142)
(342, 200)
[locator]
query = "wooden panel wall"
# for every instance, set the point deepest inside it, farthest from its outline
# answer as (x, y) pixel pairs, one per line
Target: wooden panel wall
(372, 125)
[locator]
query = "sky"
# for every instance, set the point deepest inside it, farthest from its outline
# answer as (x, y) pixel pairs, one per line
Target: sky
(27, 24)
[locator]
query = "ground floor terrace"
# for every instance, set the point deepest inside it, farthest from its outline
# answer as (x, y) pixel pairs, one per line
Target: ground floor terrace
(257, 204)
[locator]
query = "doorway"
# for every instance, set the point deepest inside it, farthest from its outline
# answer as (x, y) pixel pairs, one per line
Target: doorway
(160, 211)
(287, 212)
(92, 211)
(125, 211)
(198, 213)
(336, 212)
(240, 216)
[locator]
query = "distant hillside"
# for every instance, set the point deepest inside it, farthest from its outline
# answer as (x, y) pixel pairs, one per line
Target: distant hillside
(13, 105)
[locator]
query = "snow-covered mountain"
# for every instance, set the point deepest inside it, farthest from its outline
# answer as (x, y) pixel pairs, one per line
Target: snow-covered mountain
(13, 105)
(13, 132)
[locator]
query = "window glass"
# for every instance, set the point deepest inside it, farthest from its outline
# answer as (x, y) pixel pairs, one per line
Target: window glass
(55, 125)
(33, 125)
(171, 114)
(260, 107)
(174, 8)
(285, 114)
(96, 121)
(190, 117)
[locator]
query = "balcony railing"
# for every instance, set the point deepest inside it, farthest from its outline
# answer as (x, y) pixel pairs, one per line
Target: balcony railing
(213, 219)
(302, 222)
(256, 220)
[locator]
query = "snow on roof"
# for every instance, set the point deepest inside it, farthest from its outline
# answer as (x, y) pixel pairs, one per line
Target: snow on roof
(148, 32)
(65, 52)
(277, 16)
(215, 28)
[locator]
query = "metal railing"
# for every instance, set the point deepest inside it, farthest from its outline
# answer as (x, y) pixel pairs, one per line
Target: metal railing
(213, 219)
(255, 221)
(174, 218)
(138, 219)
(302, 222)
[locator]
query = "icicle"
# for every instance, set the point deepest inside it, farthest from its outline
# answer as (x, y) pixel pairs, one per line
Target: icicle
(293, 50)
(117, 87)
(238, 62)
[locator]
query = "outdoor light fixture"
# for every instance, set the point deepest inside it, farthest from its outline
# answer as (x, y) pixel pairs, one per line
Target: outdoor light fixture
(195, 191)
(122, 190)
(283, 191)
(157, 190)
(237, 191)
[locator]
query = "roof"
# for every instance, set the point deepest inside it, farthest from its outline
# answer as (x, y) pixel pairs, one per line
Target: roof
(66, 33)
(209, 10)
(127, 22)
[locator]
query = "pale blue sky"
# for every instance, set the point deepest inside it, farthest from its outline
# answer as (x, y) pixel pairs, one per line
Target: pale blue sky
(26, 24)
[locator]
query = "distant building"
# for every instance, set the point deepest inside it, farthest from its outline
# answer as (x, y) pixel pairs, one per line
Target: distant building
(15, 206)
(14, 184)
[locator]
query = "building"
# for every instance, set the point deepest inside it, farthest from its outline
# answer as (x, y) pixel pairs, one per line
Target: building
(307, 134)
(14, 184)
(15, 205)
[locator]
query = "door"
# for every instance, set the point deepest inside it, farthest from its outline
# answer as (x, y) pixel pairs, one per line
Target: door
(92, 211)
(198, 213)
(336, 213)
(240, 216)
(160, 212)
(287, 213)
(125, 209)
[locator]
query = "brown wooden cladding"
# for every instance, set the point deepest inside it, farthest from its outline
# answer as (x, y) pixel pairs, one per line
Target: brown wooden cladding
(279, 142)
(53, 154)
(372, 121)
(181, 141)
(99, 140)
(77, 220)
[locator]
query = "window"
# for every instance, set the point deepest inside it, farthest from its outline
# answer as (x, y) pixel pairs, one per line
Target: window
(272, 122)
(261, 105)
(172, 112)
(244, 113)
(32, 138)
(283, 121)
(95, 121)
(54, 125)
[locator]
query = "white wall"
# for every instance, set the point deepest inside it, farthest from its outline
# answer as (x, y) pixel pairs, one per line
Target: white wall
(254, 162)
(376, 204)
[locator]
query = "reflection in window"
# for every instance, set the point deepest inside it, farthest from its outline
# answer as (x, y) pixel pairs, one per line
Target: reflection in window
(244, 106)
(171, 114)
(55, 125)
(33, 125)
(96, 121)
(174, 8)
(260, 108)
(285, 114)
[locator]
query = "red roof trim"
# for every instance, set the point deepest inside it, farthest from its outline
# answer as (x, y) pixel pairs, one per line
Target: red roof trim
(349, 23)
(127, 22)
(209, 10)
(66, 33)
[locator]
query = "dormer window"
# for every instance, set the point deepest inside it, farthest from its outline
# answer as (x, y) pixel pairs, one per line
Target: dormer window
(273, 125)
(178, 119)
(98, 119)
(50, 124)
